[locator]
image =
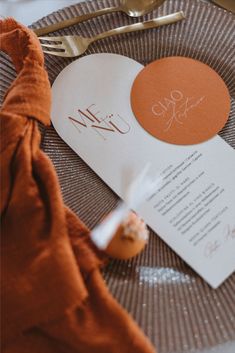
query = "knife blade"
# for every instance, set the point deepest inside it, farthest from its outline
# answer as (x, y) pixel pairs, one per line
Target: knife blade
(226, 4)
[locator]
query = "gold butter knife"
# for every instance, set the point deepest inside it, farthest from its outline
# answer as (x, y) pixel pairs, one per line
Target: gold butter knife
(226, 4)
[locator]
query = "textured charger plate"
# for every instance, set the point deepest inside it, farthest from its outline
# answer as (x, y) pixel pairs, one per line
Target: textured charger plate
(176, 309)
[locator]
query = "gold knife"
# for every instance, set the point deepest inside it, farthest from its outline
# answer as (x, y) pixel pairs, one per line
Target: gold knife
(226, 4)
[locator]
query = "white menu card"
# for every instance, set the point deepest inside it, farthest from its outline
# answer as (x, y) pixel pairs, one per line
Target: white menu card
(193, 209)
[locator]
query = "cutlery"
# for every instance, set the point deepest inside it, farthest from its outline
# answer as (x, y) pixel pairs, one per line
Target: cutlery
(226, 4)
(71, 46)
(133, 8)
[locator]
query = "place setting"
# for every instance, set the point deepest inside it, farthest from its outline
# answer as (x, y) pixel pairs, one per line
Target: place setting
(113, 93)
(143, 119)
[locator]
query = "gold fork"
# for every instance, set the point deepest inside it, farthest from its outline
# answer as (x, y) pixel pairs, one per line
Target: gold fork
(71, 46)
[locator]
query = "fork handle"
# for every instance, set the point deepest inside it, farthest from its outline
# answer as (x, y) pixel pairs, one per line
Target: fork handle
(72, 21)
(160, 21)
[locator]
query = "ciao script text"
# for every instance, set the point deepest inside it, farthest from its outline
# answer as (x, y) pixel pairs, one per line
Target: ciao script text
(175, 108)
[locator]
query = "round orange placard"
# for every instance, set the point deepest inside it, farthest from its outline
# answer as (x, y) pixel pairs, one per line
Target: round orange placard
(180, 100)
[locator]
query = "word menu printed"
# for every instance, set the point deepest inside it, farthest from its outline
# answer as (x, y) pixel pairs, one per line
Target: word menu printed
(193, 208)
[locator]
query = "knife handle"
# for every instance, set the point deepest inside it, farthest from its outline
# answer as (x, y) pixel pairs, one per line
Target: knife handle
(78, 19)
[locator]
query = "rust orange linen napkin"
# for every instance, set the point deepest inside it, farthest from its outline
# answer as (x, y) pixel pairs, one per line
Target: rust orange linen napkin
(53, 295)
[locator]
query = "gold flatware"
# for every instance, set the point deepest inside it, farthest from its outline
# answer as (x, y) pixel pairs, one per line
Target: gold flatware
(71, 46)
(133, 8)
(226, 4)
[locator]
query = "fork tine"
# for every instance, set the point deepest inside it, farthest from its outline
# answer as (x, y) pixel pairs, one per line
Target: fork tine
(57, 53)
(55, 46)
(52, 39)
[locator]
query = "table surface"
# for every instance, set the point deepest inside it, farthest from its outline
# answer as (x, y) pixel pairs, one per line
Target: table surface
(29, 11)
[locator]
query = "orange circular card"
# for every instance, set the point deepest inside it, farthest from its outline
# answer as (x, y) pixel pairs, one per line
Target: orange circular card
(180, 100)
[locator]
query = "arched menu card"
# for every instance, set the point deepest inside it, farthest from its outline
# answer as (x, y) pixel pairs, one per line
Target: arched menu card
(193, 210)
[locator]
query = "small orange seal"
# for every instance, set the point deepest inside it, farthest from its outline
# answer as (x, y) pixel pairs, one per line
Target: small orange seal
(129, 239)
